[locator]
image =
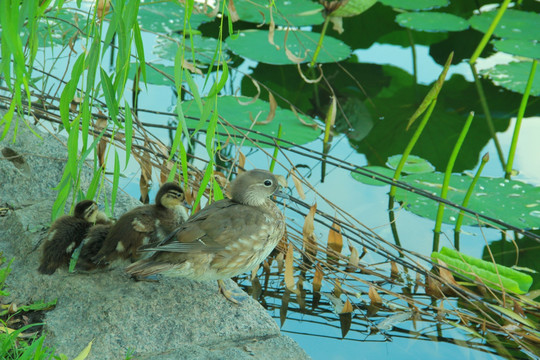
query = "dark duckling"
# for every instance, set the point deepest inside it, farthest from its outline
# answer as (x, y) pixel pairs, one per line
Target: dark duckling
(227, 238)
(143, 225)
(91, 245)
(67, 233)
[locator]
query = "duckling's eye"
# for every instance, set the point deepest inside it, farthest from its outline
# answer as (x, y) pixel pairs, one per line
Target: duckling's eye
(267, 183)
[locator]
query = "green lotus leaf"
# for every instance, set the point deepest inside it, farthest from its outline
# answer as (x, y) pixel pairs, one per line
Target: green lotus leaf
(167, 17)
(236, 113)
(285, 12)
(254, 44)
(526, 48)
(204, 48)
(153, 76)
(353, 8)
(413, 165)
(514, 24)
(514, 77)
(416, 4)
(370, 181)
(512, 201)
(432, 21)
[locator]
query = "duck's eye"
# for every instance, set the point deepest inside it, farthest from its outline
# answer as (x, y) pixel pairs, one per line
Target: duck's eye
(267, 183)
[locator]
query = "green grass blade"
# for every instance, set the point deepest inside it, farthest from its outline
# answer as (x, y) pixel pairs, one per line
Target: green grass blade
(128, 128)
(110, 99)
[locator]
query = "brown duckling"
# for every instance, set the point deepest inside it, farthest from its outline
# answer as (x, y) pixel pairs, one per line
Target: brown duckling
(91, 245)
(67, 233)
(143, 225)
(226, 238)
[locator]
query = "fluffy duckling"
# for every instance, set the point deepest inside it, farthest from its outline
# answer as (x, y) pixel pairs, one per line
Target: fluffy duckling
(143, 225)
(225, 239)
(67, 233)
(91, 245)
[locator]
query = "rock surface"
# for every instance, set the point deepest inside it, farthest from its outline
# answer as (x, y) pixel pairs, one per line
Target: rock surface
(170, 319)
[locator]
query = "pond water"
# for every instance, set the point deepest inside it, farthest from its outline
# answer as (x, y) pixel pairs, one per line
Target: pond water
(376, 130)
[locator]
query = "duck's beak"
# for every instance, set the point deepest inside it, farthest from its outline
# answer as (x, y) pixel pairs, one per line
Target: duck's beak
(283, 182)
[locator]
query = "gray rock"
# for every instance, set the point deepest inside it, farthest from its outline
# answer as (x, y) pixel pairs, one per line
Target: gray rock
(169, 319)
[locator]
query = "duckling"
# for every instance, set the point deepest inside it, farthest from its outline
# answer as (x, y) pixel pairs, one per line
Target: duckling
(144, 224)
(91, 245)
(66, 234)
(225, 239)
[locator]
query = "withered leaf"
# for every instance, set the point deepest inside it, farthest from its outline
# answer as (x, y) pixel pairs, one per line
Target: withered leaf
(295, 59)
(280, 260)
(232, 11)
(289, 270)
(347, 308)
(272, 112)
(374, 296)
(335, 239)
(256, 288)
(166, 168)
(284, 306)
(446, 274)
(298, 185)
(309, 239)
(241, 159)
(394, 271)
(317, 279)
(354, 259)
(518, 309)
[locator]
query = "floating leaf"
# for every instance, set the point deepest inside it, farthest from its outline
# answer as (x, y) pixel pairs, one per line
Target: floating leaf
(204, 48)
(352, 8)
(295, 13)
(416, 4)
(514, 24)
(237, 114)
(167, 17)
(253, 44)
(526, 48)
(413, 165)
(370, 181)
(515, 202)
(432, 21)
(154, 76)
(489, 273)
(513, 76)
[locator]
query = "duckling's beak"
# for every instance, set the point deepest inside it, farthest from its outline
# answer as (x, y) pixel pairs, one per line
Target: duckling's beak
(186, 205)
